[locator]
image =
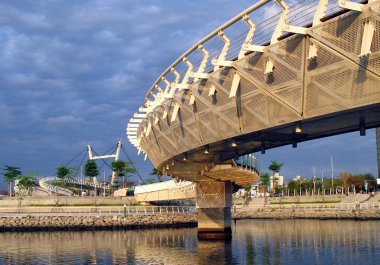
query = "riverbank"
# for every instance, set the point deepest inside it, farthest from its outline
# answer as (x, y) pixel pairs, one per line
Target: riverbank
(325, 214)
(52, 223)
(174, 220)
(29, 201)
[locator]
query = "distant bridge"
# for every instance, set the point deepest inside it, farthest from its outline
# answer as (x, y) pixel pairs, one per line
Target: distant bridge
(47, 184)
(309, 70)
(165, 191)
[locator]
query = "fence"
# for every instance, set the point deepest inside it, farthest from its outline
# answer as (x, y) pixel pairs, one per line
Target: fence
(308, 207)
(95, 211)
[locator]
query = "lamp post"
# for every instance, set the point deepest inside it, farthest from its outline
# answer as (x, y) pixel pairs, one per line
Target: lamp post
(332, 174)
(104, 183)
(81, 180)
(314, 179)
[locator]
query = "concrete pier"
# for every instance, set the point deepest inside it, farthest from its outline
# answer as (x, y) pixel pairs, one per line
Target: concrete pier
(214, 201)
(378, 150)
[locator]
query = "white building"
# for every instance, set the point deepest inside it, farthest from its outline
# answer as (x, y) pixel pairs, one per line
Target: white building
(279, 180)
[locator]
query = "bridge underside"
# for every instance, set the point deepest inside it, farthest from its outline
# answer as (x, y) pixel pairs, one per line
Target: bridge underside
(301, 99)
(206, 167)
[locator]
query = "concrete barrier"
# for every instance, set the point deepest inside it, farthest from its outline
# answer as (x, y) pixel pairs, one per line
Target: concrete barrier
(64, 200)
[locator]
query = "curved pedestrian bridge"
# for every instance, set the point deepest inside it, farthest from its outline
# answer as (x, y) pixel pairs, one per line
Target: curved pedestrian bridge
(279, 73)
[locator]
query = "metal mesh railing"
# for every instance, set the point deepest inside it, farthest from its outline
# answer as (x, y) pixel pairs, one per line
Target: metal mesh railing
(301, 13)
(96, 211)
(307, 207)
(279, 80)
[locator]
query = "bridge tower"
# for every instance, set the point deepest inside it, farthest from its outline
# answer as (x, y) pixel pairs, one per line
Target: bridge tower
(114, 179)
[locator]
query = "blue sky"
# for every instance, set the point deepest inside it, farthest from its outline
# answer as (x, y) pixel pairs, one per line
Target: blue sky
(74, 72)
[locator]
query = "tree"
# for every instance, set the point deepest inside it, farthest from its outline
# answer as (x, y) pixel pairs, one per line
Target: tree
(264, 181)
(156, 172)
(150, 181)
(345, 177)
(25, 183)
(358, 181)
(299, 184)
(275, 167)
(129, 170)
(11, 173)
(118, 167)
(123, 168)
(91, 169)
(247, 194)
(62, 171)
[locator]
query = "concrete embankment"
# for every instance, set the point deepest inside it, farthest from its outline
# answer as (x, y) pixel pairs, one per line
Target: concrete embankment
(99, 222)
(48, 223)
(64, 201)
(366, 214)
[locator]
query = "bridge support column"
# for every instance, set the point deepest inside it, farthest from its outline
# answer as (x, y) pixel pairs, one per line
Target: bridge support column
(378, 150)
(214, 201)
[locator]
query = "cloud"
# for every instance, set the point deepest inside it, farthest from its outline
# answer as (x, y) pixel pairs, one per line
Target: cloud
(64, 121)
(74, 72)
(5, 114)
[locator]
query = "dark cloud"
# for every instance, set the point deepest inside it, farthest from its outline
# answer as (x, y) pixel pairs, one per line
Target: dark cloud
(74, 72)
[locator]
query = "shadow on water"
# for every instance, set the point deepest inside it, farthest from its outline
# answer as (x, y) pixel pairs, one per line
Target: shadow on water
(254, 242)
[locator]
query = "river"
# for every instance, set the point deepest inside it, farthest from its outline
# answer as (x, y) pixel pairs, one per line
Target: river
(254, 242)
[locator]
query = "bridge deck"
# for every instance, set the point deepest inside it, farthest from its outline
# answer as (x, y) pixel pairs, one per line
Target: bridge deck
(302, 86)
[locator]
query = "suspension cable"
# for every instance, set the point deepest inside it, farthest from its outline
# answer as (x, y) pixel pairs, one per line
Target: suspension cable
(80, 165)
(75, 157)
(112, 148)
(133, 165)
(105, 161)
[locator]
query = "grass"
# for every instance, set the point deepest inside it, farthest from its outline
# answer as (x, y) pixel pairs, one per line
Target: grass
(312, 202)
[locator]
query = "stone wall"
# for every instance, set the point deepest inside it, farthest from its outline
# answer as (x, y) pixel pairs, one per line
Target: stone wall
(30, 223)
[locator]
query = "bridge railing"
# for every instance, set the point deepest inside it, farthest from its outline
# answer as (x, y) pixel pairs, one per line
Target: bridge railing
(96, 211)
(260, 25)
(164, 186)
(307, 207)
(45, 183)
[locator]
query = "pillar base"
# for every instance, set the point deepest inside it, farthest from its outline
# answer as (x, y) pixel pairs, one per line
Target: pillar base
(215, 234)
(214, 210)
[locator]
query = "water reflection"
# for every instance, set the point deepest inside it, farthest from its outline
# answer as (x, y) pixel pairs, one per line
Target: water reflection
(254, 242)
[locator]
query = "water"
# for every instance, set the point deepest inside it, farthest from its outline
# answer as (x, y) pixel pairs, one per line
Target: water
(254, 242)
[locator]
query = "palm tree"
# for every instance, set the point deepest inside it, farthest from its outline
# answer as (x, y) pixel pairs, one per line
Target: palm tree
(275, 167)
(156, 172)
(11, 173)
(247, 194)
(25, 184)
(264, 181)
(129, 170)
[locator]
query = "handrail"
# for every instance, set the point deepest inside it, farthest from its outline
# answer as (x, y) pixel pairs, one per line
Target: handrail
(206, 38)
(296, 18)
(95, 210)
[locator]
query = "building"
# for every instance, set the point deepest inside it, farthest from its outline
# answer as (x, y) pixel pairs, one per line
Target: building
(278, 179)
